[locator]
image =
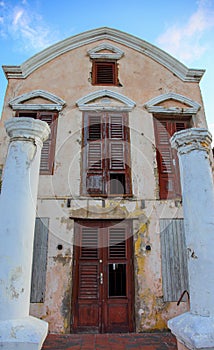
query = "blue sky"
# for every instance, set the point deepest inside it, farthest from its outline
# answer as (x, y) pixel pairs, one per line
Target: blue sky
(183, 28)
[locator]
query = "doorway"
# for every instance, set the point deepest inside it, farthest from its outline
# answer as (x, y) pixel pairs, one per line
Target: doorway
(103, 288)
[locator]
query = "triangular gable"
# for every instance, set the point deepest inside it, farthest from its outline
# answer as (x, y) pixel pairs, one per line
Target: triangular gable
(178, 104)
(23, 102)
(95, 100)
(105, 51)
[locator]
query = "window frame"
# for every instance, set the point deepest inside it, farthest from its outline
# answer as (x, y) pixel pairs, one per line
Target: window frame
(39, 114)
(105, 171)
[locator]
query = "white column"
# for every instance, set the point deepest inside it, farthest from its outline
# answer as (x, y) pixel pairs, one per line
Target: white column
(18, 198)
(195, 329)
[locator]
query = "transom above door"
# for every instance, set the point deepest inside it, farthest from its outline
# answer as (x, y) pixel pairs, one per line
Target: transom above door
(103, 277)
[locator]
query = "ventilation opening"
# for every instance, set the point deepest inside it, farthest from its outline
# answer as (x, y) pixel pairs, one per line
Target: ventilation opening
(104, 73)
(117, 184)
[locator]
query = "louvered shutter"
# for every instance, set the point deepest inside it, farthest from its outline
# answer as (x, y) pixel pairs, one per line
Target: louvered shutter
(104, 73)
(117, 156)
(117, 243)
(117, 146)
(168, 167)
(88, 272)
(89, 243)
(48, 150)
(93, 148)
(165, 159)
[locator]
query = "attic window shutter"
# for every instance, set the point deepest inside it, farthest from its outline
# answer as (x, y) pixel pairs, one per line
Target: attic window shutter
(104, 73)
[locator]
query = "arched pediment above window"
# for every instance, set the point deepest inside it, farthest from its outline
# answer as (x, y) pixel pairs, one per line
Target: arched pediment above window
(172, 103)
(105, 51)
(105, 99)
(37, 100)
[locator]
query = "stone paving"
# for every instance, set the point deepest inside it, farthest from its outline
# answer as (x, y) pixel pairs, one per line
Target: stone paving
(131, 341)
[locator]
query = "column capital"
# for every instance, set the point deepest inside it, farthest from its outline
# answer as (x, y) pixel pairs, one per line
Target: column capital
(27, 129)
(188, 140)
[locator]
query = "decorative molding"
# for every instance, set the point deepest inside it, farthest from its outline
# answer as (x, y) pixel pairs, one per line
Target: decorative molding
(82, 102)
(104, 33)
(17, 102)
(152, 108)
(115, 53)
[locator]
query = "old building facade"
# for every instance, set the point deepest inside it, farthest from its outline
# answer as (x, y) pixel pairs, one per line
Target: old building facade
(109, 247)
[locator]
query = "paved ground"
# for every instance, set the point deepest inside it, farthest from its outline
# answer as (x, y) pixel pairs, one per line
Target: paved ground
(144, 341)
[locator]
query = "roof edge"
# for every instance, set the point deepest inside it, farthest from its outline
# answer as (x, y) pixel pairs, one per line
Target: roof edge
(103, 33)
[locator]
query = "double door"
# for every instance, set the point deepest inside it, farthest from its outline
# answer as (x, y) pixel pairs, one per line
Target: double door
(103, 277)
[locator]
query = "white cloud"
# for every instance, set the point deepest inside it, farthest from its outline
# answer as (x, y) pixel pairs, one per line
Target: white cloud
(18, 14)
(26, 28)
(186, 41)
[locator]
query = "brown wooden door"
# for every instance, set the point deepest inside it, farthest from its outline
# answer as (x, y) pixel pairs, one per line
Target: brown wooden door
(103, 277)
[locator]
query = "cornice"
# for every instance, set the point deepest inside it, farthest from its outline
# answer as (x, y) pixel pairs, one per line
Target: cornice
(104, 33)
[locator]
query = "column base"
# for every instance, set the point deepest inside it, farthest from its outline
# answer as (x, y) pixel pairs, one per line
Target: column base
(193, 331)
(26, 333)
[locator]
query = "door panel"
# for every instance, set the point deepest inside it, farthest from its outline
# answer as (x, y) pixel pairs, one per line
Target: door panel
(103, 277)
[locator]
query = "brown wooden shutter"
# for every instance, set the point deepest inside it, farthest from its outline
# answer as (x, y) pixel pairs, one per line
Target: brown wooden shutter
(117, 156)
(38, 281)
(48, 150)
(169, 179)
(93, 153)
(165, 159)
(88, 272)
(88, 280)
(89, 243)
(116, 127)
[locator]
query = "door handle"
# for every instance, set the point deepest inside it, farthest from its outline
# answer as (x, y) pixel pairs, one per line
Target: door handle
(101, 278)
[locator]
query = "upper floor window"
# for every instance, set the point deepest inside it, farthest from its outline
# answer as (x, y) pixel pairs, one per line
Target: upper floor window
(104, 73)
(106, 154)
(167, 159)
(48, 150)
